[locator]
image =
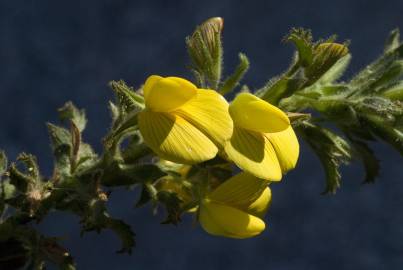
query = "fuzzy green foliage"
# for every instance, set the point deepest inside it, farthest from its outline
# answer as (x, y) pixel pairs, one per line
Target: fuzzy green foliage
(368, 107)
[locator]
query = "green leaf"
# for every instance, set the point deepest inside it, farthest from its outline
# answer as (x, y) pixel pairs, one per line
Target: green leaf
(391, 75)
(302, 39)
(233, 81)
(370, 162)
(395, 92)
(114, 112)
(125, 233)
(393, 41)
(31, 165)
(297, 119)
(172, 204)
(145, 196)
(86, 157)
(128, 100)
(375, 73)
(388, 133)
(281, 88)
(3, 163)
(336, 71)
(96, 219)
(71, 113)
(331, 149)
(21, 245)
(62, 147)
(13, 255)
(28, 177)
(6, 189)
(144, 172)
(135, 150)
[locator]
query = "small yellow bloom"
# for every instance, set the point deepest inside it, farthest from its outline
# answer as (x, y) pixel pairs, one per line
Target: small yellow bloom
(182, 123)
(235, 209)
(263, 142)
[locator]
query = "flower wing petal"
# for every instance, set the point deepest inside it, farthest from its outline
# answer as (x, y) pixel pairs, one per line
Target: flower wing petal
(286, 145)
(167, 94)
(252, 152)
(175, 139)
(222, 220)
(240, 190)
(253, 113)
(260, 206)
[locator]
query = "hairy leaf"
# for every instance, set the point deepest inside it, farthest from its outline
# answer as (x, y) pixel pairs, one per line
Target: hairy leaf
(70, 112)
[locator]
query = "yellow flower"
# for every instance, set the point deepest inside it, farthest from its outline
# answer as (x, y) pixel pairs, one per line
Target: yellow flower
(263, 142)
(235, 209)
(182, 123)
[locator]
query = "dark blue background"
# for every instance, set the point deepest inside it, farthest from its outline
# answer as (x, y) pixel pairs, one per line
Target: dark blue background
(54, 51)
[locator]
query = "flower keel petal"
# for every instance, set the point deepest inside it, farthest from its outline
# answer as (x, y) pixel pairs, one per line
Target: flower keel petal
(286, 145)
(226, 221)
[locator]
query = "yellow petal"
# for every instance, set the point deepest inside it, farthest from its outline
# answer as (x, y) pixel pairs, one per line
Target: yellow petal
(253, 113)
(286, 145)
(167, 94)
(175, 139)
(240, 190)
(252, 152)
(208, 111)
(218, 219)
(260, 206)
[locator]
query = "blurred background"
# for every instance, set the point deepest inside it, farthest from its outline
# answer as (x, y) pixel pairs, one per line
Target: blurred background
(55, 51)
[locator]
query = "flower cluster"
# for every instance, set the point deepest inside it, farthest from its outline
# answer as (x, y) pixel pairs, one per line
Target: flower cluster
(188, 125)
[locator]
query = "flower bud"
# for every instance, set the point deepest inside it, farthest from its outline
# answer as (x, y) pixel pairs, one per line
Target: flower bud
(205, 51)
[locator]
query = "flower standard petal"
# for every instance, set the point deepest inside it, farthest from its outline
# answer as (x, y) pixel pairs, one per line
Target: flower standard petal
(253, 113)
(175, 139)
(208, 111)
(167, 94)
(222, 220)
(252, 152)
(286, 145)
